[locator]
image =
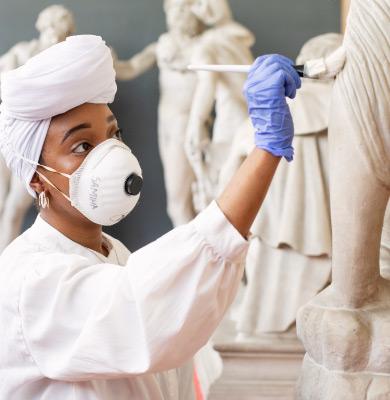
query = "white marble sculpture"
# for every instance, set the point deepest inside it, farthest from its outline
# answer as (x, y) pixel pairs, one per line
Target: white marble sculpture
(198, 31)
(209, 137)
(172, 53)
(345, 329)
(54, 24)
(288, 262)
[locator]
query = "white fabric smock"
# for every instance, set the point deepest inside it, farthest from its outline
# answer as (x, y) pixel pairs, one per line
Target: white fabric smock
(76, 325)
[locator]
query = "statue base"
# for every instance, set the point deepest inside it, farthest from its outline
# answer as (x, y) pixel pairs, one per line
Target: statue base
(348, 349)
(262, 368)
(316, 382)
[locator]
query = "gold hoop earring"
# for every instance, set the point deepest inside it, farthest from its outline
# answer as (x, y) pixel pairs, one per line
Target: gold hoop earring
(43, 200)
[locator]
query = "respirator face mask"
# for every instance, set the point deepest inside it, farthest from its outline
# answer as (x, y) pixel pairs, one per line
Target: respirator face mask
(106, 187)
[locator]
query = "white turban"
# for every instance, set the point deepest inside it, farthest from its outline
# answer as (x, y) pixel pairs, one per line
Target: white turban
(66, 75)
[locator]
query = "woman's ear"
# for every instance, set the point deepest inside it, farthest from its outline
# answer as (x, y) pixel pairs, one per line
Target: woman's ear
(36, 184)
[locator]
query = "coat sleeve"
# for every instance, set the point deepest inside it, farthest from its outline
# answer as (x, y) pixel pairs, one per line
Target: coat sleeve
(83, 322)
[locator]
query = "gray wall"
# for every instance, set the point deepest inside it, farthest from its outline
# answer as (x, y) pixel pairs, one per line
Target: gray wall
(280, 26)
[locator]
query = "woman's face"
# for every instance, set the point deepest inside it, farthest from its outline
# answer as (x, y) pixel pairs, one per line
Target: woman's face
(71, 136)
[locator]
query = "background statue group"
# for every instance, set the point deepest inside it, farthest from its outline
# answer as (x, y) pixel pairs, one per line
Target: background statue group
(204, 134)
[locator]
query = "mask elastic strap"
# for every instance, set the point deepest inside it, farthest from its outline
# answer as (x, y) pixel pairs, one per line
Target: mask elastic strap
(41, 175)
(52, 184)
(36, 163)
(44, 177)
(43, 166)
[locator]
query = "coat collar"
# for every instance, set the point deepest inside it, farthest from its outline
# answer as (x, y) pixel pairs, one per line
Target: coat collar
(51, 238)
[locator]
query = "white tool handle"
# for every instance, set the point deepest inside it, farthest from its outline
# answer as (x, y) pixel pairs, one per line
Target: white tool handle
(220, 68)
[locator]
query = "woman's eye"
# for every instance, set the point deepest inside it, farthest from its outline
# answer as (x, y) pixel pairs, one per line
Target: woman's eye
(82, 147)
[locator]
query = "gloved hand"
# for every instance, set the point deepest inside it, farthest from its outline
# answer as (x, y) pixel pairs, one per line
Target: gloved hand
(270, 80)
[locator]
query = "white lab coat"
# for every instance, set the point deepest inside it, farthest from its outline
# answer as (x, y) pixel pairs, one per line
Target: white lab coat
(77, 325)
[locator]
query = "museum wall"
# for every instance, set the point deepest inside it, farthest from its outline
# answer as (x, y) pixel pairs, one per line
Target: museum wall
(128, 25)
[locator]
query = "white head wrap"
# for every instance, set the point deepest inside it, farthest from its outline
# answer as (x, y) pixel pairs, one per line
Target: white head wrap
(66, 75)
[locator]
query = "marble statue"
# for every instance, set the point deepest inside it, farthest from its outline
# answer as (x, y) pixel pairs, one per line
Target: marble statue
(172, 53)
(198, 31)
(288, 261)
(345, 329)
(54, 24)
(218, 107)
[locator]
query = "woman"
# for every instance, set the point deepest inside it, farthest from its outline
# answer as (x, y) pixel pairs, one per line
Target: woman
(80, 317)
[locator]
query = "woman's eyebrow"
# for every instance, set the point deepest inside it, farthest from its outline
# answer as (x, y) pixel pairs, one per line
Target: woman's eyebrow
(74, 129)
(111, 118)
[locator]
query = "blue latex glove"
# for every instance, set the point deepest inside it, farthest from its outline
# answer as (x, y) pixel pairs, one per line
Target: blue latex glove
(270, 80)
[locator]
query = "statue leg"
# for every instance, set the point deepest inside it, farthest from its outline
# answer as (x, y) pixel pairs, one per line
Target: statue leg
(358, 205)
(178, 174)
(16, 206)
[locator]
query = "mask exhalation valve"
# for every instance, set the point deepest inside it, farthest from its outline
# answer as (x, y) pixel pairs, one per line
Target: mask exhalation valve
(133, 184)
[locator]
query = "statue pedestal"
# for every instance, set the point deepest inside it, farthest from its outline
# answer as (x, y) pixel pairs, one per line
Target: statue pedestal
(265, 367)
(348, 350)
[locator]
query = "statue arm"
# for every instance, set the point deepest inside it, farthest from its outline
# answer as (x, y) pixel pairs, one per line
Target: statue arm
(201, 110)
(197, 135)
(136, 65)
